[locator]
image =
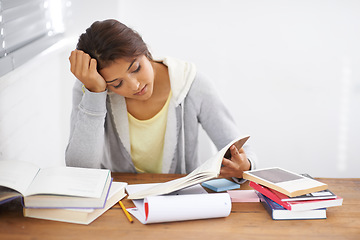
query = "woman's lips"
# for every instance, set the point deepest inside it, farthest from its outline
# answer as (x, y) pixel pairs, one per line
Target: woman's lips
(142, 91)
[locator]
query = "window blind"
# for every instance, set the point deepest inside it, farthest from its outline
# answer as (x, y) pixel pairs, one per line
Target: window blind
(26, 29)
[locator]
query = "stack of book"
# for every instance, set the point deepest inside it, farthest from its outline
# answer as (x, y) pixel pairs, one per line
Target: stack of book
(287, 195)
(68, 194)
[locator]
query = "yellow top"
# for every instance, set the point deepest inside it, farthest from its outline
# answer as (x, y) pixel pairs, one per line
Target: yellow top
(147, 140)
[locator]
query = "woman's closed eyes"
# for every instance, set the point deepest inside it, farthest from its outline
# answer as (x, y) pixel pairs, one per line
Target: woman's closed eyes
(121, 81)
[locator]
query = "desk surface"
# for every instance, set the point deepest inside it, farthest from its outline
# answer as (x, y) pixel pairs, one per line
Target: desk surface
(246, 221)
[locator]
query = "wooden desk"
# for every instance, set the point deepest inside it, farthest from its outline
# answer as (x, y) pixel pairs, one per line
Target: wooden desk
(246, 221)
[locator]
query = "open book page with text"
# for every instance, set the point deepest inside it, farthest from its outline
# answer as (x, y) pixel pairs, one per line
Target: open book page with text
(17, 175)
(81, 182)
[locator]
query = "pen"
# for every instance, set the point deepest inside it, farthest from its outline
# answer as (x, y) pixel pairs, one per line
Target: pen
(126, 212)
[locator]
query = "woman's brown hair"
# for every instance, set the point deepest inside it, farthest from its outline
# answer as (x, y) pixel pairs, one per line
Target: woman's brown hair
(109, 40)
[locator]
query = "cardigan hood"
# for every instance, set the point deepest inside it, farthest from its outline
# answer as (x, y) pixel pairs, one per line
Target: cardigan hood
(182, 75)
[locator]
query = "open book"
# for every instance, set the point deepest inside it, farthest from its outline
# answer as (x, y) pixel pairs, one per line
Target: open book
(208, 170)
(54, 187)
(79, 216)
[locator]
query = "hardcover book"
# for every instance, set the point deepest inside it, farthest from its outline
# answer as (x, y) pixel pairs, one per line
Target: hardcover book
(324, 194)
(79, 216)
(284, 181)
(296, 205)
(278, 212)
(54, 187)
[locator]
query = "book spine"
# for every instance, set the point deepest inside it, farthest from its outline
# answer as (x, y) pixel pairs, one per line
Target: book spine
(266, 205)
(269, 194)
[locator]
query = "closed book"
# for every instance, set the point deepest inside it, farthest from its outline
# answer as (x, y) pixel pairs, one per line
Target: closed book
(79, 216)
(324, 194)
(296, 205)
(284, 181)
(277, 212)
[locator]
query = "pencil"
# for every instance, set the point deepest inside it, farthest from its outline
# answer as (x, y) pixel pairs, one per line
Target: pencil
(126, 212)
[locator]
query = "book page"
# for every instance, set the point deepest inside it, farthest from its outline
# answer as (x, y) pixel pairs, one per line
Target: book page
(82, 182)
(196, 189)
(17, 175)
(206, 171)
(213, 164)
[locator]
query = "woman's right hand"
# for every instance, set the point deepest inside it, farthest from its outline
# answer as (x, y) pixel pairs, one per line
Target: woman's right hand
(84, 69)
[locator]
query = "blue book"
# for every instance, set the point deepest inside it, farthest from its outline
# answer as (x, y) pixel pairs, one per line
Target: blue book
(277, 212)
(220, 185)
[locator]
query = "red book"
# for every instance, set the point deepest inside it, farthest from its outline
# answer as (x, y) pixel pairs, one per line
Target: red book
(266, 191)
(296, 205)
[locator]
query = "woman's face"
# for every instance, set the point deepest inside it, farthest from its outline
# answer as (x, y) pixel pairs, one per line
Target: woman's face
(131, 78)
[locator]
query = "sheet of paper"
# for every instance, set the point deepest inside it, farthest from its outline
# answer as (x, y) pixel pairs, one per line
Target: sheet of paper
(169, 208)
(139, 203)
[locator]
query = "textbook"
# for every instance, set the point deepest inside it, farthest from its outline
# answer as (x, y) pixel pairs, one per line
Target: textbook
(186, 204)
(277, 212)
(324, 194)
(208, 170)
(79, 216)
(284, 181)
(54, 187)
(296, 205)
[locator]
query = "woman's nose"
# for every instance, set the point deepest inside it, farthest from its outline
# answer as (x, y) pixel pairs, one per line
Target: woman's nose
(134, 84)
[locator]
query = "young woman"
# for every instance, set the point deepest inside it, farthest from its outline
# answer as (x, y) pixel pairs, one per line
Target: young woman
(132, 113)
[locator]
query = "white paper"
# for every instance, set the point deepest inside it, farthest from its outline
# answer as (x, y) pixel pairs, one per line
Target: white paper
(186, 204)
(82, 182)
(17, 175)
(208, 170)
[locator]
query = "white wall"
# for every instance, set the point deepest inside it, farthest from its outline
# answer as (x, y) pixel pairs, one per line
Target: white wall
(288, 70)
(35, 107)
(35, 99)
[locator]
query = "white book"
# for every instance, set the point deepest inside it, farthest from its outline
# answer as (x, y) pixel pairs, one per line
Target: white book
(208, 170)
(284, 181)
(53, 187)
(79, 216)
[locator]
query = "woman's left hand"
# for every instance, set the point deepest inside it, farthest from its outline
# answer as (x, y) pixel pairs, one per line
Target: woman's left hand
(235, 166)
